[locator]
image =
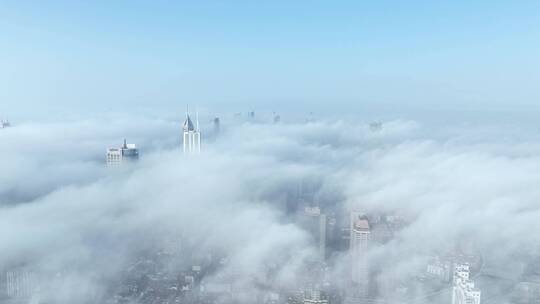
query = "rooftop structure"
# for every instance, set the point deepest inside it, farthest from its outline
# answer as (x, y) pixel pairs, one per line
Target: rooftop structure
(127, 152)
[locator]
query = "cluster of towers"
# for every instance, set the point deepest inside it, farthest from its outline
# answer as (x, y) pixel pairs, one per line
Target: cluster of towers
(126, 153)
(191, 138)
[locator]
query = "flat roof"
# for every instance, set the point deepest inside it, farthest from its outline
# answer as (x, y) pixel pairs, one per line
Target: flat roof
(362, 224)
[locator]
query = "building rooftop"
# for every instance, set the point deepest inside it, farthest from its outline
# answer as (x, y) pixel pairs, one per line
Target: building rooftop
(188, 124)
(361, 224)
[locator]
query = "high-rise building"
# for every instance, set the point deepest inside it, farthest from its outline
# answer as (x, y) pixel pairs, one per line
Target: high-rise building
(316, 223)
(191, 136)
(376, 126)
(359, 241)
(463, 291)
(21, 284)
(277, 118)
(216, 126)
(126, 153)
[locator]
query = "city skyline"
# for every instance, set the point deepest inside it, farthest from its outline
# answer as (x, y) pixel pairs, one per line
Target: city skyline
(340, 152)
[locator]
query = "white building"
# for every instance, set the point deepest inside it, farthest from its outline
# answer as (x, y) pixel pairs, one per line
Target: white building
(359, 241)
(126, 153)
(463, 291)
(191, 136)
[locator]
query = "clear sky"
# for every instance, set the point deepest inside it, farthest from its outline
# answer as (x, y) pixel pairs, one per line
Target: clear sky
(267, 55)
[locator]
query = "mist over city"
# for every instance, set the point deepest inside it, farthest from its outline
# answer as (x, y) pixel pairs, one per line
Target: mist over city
(269, 153)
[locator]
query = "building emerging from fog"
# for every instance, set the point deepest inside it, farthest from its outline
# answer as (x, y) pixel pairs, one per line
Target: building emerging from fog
(126, 153)
(277, 118)
(376, 126)
(191, 136)
(4, 124)
(314, 297)
(359, 241)
(20, 285)
(315, 222)
(463, 291)
(217, 127)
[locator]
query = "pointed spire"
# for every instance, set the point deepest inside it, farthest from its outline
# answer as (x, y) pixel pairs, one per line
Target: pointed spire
(125, 144)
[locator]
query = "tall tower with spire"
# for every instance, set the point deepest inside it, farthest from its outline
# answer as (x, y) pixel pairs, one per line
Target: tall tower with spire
(191, 136)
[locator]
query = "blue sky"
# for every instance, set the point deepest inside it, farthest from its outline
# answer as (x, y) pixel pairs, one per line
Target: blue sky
(267, 55)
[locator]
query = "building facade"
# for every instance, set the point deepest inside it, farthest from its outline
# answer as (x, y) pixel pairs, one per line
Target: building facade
(315, 297)
(315, 222)
(359, 242)
(21, 284)
(463, 290)
(191, 136)
(126, 153)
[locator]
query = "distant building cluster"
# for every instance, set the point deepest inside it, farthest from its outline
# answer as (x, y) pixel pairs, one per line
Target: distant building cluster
(332, 233)
(191, 142)
(191, 139)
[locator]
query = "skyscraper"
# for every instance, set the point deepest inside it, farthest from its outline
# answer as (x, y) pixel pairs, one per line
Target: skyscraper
(216, 126)
(191, 136)
(277, 118)
(359, 240)
(315, 222)
(127, 152)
